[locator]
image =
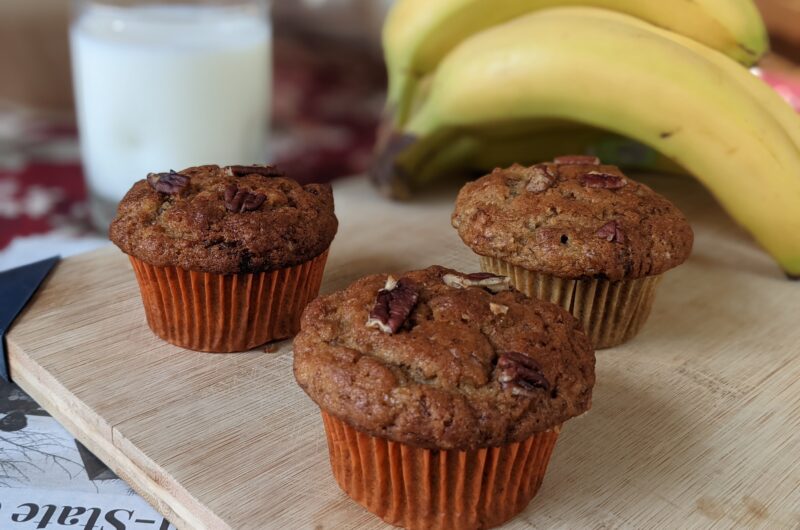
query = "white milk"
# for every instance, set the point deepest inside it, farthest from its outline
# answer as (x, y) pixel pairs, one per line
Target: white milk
(167, 87)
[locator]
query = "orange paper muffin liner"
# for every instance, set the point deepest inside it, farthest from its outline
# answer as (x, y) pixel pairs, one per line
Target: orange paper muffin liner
(428, 489)
(226, 312)
(611, 313)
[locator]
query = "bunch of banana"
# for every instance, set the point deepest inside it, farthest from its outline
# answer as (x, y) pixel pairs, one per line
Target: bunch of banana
(420, 33)
(528, 86)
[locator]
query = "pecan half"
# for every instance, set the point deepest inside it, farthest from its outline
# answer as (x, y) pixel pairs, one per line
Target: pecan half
(393, 305)
(169, 183)
(519, 372)
(611, 232)
(599, 179)
(540, 180)
(264, 171)
(577, 160)
(239, 200)
(491, 282)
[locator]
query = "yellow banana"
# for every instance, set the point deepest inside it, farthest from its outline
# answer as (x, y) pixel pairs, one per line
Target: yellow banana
(770, 100)
(614, 72)
(418, 34)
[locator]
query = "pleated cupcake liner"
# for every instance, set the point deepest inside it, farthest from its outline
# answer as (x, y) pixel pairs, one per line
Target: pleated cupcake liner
(226, 312)
(611, 312)
(424, 489)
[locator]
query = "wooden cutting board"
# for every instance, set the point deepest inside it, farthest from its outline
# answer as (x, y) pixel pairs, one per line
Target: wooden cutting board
(696, 422)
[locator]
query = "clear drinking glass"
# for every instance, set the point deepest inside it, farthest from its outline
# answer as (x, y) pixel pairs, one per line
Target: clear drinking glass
(165, 85)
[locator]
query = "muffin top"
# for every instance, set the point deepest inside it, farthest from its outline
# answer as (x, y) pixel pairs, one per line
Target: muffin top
(225, 220)
(439, 359)
(572, 218)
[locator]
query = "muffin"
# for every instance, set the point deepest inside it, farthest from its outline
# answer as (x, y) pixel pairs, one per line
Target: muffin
(226, 258)
(579, 234)
(442, 394)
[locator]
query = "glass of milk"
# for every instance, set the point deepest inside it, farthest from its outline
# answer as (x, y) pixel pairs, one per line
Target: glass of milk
(167, 84)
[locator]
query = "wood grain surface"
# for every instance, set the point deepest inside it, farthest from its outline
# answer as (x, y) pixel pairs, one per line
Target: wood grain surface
(695, 424)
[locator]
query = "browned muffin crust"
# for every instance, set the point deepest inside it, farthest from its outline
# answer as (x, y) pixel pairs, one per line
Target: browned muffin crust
(573, 219)
(225, 220)
(467, 368)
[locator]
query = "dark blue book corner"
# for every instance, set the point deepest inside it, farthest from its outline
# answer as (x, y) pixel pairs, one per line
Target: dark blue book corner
(17, 286)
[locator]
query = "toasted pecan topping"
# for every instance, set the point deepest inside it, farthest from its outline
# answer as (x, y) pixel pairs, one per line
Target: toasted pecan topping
(520, 373)
(241, 200)
(169, 183)
(601, 180)
(393, 305)
(264, 171)
(540, 180)
(577, 160)
(611, 232)
(491, 282)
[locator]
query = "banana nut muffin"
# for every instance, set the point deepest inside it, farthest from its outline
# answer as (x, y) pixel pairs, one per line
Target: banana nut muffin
(577, 233)
(572, 218)
(226, 258)
(439, 359)
(225, 220)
